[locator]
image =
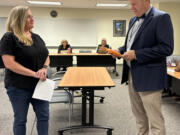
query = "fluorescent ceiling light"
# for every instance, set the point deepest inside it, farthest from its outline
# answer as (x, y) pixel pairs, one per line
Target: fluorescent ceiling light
(111, 5)
(44, 3)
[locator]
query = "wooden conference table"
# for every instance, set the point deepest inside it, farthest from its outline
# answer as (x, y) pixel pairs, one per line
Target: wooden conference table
(87, 79)
(174, 80)
(61, 60)
(83, 60)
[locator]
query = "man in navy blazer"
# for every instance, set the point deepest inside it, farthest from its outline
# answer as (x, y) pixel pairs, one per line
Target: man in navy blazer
(148, 42)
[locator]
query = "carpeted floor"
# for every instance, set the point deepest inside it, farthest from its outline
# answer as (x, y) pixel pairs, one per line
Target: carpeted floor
(115, 112)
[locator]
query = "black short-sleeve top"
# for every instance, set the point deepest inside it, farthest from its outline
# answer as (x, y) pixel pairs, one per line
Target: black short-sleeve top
(106, 46)
(60, 48)
(32, 57)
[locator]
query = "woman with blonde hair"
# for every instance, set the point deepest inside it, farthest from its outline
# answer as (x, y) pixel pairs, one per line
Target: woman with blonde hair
(64, 47)
(103, 44)
(26, 59)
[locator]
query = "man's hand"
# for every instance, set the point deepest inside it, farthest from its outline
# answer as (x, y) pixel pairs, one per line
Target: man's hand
(129, 56)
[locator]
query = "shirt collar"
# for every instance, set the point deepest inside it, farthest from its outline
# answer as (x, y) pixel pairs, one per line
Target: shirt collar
(148, 11)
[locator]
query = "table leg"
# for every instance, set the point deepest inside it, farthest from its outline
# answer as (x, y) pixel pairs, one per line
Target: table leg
(115, 71)
(60, 133)
(87, 93)
(84, 98)
(109, 131)
(91, 107)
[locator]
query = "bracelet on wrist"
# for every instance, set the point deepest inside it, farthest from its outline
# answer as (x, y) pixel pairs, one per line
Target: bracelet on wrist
(45, 66)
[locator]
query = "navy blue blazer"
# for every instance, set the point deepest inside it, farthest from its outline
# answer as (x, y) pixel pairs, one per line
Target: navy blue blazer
(153, 43)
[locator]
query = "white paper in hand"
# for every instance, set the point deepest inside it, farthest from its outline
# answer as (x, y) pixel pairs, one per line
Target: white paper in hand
(44, 90)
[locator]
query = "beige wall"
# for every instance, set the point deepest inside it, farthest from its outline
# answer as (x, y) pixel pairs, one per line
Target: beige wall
(174, 10)
(104, 20)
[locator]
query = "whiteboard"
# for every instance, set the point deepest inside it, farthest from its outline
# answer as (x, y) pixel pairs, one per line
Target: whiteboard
(78, 32)
(2, 26)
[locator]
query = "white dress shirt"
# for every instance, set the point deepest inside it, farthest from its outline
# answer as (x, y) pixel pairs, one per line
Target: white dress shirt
(133, 31)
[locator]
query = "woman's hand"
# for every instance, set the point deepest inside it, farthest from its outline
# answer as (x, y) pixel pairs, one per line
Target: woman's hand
(41, 74)
(34, 74)
(69, 50)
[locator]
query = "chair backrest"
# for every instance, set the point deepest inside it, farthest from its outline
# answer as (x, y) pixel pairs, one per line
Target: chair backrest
(49, 73)
(85, 51)
(61, 97)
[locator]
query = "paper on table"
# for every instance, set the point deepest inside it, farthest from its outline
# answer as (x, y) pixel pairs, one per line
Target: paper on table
(170, 70)
(63, 51)
(44, 90)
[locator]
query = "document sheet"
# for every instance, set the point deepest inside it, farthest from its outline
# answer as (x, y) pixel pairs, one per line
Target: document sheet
(44, 90)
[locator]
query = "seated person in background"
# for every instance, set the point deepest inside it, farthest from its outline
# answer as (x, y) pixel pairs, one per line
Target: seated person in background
(170, 61)
(64, 48)
(103, 44)
(174, 61)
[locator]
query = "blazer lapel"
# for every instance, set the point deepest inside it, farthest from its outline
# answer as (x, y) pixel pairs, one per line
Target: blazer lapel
(130, 26)
(146, 21)
(132, 23)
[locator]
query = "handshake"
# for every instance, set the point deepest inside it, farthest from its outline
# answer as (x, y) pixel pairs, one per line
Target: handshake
(128, 56)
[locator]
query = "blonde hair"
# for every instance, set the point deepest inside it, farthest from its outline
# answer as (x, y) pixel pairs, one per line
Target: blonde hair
(64, 40)
(16, 23)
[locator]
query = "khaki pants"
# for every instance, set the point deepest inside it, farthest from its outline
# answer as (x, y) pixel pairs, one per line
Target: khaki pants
(146, 107)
